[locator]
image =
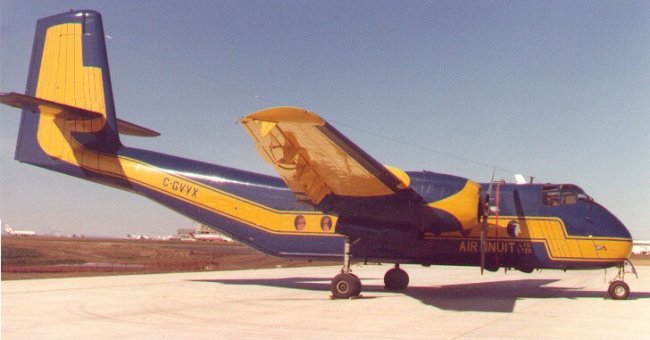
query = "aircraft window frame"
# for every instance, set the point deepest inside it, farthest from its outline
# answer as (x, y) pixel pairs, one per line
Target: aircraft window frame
(557, 195)
(569, 197)
(551, 196)
(585, 197)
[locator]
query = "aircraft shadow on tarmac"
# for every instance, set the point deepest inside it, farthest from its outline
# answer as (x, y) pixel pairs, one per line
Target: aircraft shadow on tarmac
(497, 296)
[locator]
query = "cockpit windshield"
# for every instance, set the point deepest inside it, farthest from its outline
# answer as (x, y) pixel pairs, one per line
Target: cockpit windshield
(563, 194)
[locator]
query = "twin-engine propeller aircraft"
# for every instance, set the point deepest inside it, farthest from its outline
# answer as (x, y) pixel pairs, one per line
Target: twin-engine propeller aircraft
(332, 201)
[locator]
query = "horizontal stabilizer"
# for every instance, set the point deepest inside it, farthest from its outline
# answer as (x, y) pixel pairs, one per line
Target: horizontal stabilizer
(67, 112)
(130, 129)
(47, 107)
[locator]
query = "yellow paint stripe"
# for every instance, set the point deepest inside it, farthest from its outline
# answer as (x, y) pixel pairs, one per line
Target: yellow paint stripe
(212, 199)
(463, 205)
(551, 231)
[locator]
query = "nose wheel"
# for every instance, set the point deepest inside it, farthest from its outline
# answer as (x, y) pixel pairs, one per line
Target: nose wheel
(618, 289)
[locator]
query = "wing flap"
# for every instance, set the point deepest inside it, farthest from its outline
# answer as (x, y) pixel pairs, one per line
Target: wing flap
(315, 159)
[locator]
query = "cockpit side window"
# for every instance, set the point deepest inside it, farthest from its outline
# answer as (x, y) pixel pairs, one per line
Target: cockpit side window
(570, 197)
(554, 195)
(551, 196)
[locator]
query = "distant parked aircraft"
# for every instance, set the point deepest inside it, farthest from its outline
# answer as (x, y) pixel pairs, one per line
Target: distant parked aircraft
(210, 237)
(641, 248)
(137, 237)
(13, 232)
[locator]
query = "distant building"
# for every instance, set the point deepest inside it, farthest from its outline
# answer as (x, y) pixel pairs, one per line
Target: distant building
(184, 234)
(201, 233)
(204, 229)
(185, 231)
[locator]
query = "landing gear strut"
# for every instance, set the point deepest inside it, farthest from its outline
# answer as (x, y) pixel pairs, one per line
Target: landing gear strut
(346, 285)
(618, 289)
(396, 279)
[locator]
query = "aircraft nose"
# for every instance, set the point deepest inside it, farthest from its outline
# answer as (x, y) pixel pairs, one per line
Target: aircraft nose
(604, 223)
(627, 249)
(620, 244)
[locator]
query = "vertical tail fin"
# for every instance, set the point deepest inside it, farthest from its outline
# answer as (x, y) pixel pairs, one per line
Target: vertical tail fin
(69, 66)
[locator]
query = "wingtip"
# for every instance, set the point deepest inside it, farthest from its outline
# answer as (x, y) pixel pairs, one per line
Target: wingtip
(284, 114)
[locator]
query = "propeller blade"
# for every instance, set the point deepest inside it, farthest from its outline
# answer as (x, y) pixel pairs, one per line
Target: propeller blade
(483, 244)
(484, 226)
(489, 193)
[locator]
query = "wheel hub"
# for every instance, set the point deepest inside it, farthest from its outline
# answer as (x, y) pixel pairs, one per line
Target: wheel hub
(343, 287)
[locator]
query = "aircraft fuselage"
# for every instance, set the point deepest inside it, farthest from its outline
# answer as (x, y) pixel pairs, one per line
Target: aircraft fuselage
(537, 225)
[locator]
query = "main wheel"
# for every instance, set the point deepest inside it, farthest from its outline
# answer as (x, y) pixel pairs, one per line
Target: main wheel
(345, 286)
(618, 290)
(525, 268)
(492, 267)
(396, 279)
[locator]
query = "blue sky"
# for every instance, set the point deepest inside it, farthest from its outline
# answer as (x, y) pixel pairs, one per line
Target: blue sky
(552, 89)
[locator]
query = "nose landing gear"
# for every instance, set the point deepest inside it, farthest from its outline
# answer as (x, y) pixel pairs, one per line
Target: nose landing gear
(618, 289)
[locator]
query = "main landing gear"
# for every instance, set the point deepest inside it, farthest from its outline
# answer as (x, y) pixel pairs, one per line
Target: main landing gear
(348, 286)
(396, 279)
(618, 289)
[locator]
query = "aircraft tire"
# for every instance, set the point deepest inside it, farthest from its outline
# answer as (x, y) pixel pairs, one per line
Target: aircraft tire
(525, 268)
(618, 290)
(345, 286)
(492, 268)
(396, 279)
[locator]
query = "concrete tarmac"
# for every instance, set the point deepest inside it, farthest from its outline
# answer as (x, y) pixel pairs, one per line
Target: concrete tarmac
(292, 303)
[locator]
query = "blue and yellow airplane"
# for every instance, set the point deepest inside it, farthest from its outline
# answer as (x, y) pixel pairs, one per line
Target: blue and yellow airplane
(333, 200)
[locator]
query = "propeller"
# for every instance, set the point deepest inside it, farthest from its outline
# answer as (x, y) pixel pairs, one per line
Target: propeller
(484, 225)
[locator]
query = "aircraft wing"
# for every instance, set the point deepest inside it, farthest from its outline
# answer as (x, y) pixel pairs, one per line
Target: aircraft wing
(316, 160)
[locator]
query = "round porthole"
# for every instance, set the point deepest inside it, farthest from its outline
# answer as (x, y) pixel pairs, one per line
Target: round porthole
(514, 229)
(326, 223)
(300, 223)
